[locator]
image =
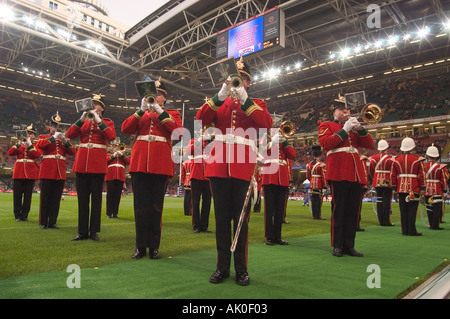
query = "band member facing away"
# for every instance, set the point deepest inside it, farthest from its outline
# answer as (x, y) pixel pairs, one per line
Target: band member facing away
(436, 179)
(407, 176)
(230, 177)
(380, 170)
(115, 179)
(185, 177)
(54, 147)
(199, 185)
(315, 172)
(365, 160)
(151, 167)
(26, 172)
(95, 133)
(275, 181)
(340, 139)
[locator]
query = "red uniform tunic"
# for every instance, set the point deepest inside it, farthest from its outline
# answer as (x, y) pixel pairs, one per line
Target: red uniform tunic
(276, 170)
(54, 151)
(186, 169)
(152, 151)
(436, 176)
(407, 174)
(116, 167)
(195, 150)
(316, 173)
(26, 166)
(91, 154)
(380, 169)
(233, 151)
(343, 162)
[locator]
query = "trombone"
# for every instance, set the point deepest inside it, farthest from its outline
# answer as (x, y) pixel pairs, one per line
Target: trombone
(370, 114)
(287, 129)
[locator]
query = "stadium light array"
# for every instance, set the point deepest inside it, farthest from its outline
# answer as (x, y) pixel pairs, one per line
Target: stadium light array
(6, 13)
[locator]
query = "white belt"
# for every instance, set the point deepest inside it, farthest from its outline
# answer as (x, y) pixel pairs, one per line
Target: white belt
(233, 139)
(276, 161)
(381, 171)
(116, 165)
(200, 156)
(408, 175)
(151, 138)
(348, 149)
(316, 175)
(56, 156)
(92, 145)
(433, 181)
(24, 160)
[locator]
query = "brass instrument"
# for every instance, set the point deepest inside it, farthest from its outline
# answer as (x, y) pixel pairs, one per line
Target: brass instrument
(435, 199)
(411, 197)
(234, 83)
(90, 116)
(151, 99)
(121, 147)
(287, 129)
(370, 114)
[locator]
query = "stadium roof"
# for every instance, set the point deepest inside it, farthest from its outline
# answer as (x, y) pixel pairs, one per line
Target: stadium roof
(329, 47)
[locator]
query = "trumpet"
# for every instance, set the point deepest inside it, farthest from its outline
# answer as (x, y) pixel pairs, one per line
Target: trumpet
(287, 129)
(234, 83)
(370, 114)
(90, 116)
(150, 98)
(121, 147)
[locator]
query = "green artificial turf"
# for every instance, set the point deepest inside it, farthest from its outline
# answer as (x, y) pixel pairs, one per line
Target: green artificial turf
(33, 262)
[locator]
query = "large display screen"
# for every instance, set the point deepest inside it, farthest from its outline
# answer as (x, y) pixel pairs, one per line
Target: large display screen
(252, 35)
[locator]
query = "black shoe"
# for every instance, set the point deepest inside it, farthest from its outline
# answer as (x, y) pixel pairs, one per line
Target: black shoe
(53, 227)
(115, 216)
(353, 252)
(338, 252)
(80, 237)
(280, 241)
(139, 253)
(196, 230)
(43, 226)
(94, 236)
(242, 278)
(219, 276)
(154, 254)
(360, 229)
(270, 242)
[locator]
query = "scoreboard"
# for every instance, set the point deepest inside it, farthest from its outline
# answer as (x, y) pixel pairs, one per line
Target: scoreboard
(260, 32)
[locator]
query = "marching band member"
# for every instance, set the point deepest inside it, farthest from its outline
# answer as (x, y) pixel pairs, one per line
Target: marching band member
(115, 179)
(275, 181)
(380, 170)
(316, 173)
(407, 177)
(186, 168)
(199, 186)
(90, 166)
(54, 147)
(230, 168)
(26, 172)
(436, 176)
(151, 166)
(340, 139)
(366, 161)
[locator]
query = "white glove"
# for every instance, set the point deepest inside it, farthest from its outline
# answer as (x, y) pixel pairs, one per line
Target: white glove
(97, 118)
(28, 141)
(277, 139)
(350, 124)
(144, 104)
(158, 109)
(242, 94)
(83, 116)
(58, 135)
(224, 92)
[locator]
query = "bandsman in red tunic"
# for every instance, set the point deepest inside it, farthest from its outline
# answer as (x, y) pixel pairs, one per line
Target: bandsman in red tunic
(55, 148)
(316, 174)
(95, 133)
(380, 171)
(185, 178)
(341, 139)
(275, 180)
(408, 180)
(230, 167)
(151, 167)
(25, 173)
(436, 179)
(115, 179)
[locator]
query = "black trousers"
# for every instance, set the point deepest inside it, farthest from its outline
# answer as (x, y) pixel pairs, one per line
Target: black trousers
(113, 196)
(187, 203)
(384, 197)
(434, 212)
(22, 193)
(408, 214)
(50, 200)
(229, 197)
(200, 189)
(89, 189)
(316, 204)
(148, 200)
(274, 209)
(346, 199)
